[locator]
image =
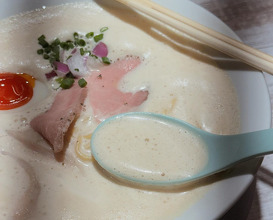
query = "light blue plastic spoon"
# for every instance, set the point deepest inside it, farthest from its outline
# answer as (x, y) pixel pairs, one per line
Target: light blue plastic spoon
(224, 151)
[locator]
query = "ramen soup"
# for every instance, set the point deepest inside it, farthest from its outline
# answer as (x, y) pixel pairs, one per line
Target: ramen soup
(148, 150)
(65, 69)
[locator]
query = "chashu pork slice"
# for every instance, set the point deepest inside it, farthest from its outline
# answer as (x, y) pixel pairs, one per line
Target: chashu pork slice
(103, 93)
(105, 98)
(54, 123)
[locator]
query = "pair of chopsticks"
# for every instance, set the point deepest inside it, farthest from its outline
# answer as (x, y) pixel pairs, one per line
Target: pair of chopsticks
(214, 39)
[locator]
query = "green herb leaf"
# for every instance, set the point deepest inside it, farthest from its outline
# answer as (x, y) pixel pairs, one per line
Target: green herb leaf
(103, 29)
(81, 42)
(82, 51)
(42, 41)
(65, 45)
(55, 53)
(59, 80)
(46, 57)
(67, 83)
(47, 49)
(82, 83)
(52, 60)
(42, 37)
(106, 60)
(70, 75)
(93, 55)
(56, 42)
(76, 35)
(89, 35)
(98, 37)
(40, 51)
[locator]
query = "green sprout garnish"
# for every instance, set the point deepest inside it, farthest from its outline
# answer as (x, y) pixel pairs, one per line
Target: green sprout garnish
(89, 35)
(98, 37)
(42, 41)
(82, 52)
(82, 83)
(76, 35)
(103, 29)
(40, 51)
(67, 83)
(106, 60)
(51, 51)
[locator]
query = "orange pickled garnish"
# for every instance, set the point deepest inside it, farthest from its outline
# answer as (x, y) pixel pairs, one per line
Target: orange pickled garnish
(15, 90)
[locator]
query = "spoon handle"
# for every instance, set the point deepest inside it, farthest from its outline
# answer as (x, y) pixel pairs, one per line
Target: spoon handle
(237, 148)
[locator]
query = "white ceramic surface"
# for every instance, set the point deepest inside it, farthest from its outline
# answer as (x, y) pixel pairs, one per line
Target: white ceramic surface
(253, 96)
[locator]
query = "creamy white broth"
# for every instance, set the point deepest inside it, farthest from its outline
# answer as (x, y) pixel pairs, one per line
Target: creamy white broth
(179, 85)
(148, 150)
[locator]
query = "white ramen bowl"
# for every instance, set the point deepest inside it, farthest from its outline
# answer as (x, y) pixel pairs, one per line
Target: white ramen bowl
(253, 99)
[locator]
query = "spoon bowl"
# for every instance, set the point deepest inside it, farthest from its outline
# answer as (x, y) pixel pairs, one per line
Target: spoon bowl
(214, 153)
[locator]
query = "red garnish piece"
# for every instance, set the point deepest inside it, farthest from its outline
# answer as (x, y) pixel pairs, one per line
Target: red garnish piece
(15, 90)
(100, 50)
(51, 74)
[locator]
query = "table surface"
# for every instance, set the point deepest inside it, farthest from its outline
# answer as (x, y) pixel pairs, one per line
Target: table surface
(252, 21)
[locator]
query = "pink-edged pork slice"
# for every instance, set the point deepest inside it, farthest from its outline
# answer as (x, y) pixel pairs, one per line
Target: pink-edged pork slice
(105, 97)
(54, 123)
